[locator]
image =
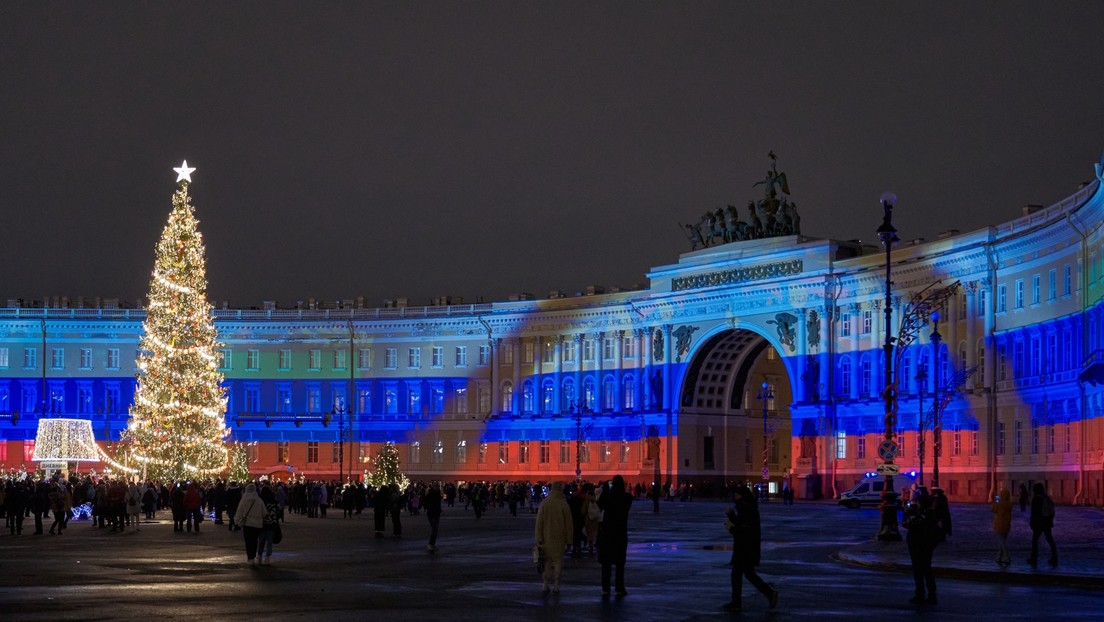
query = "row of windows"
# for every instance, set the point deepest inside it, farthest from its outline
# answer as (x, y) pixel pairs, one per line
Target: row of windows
(436, 450)
(107, 400)
(1035, 438)
(1036, 289)
(57, 358)
(954, 436)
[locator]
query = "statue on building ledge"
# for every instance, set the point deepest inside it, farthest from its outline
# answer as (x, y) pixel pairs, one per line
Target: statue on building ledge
(772, 216)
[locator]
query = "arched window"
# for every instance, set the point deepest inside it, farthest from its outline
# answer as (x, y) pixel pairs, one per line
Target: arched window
(548, 395)
(528, 399)
(568, 394)
(589, 394)
(628, 384)
(845, 377)
(507, 397)
(609, 393)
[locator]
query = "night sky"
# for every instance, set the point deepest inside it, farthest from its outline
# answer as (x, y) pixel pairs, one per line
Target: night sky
(474, 149)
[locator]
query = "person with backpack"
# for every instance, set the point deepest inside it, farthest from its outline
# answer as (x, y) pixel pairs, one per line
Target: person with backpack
(1042, 522)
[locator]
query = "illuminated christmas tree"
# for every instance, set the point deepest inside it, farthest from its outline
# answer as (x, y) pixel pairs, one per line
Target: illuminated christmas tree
(177, 423)
(387, 468)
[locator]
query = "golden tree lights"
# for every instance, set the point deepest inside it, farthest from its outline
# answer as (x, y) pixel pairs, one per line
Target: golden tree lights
(177, 423)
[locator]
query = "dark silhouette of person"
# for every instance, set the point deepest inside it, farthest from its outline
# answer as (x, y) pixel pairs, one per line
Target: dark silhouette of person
(1041, 522)
(922, 525)
(613, 534)
(744, 525)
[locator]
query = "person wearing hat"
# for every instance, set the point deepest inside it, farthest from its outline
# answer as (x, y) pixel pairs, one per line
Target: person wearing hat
(554, 533)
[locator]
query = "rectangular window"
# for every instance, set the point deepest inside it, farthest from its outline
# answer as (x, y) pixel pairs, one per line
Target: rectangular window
(84, 400)
(438, 456)
(314, 360)
(461, 452)
(86, 358)
(503, 452)
(335, 452)
(1017, 438)
(983, 304)
(461, 400)
(523, 452)
(507, 354)
(482, 457)
(1068, 438)
(113, 358)
(364, 358)
(437, 400)
(390, 401)
(527, 350)
(588, 350)
(545, 452)
(1036, 356)
(1000, 438)
(283, 452)
(1002, 298)
(865, 378)
(285, 359)
(628, 347)
(112, 398)
(312, 452)
(860, 447)
(30, 358)
(623, 452)
(314, 400)
(484, 355)
(1019, 300)
(4, 362)
(364, 400)
(603, 452)
(1036, 289)
(283, 399)
(437, 357)
(565, 452)
(1050, 439)
(548, 354)
(484, 398)
(845, 324)
(974, 441)
(461, 356)
(841, 445)
(867, 321)
(253, 360)
(252, 399)
(414, 358)
(956, 447)
(28, 451)
(608, 349)
(57, 358)
(1067, 279)
(1053, 282)
(569, 351)
(413, 401)
(391, 358)
(341, 359)
(415, 452)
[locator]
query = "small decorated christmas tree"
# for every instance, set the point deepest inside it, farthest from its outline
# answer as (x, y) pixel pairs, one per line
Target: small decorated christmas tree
(239, 463)
(387, 468)
(177, 423)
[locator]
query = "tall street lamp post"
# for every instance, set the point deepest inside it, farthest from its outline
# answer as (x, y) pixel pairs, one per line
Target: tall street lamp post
(765, 396)
(937, 423)
(888, 448)
(921, 380)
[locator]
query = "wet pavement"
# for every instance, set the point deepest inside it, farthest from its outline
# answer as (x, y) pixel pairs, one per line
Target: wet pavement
(820, 556)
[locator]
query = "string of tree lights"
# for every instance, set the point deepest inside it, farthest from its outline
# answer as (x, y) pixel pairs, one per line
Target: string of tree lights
(177, 426)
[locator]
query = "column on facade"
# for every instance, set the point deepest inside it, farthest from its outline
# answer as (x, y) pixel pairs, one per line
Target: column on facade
(827, 366)
(599, 393)
(951, 338)
(496, 376)
(619, 372)
(538, 375)
(641, 375)
(879, 375)
(578, 341)
(856, 314)
(557, 374)
(799, 387)
(516, 394)
(971, 327)
(667, 384)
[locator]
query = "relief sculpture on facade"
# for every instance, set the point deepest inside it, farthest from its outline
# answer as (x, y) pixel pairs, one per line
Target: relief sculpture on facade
(786, 332)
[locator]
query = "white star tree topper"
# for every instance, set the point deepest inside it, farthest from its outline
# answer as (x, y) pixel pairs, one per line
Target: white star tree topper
(184, 173)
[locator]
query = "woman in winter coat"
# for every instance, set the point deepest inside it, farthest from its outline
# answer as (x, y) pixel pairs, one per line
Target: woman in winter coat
(613, 535)
(133, 501)
(744, 525)
(1002, 524)
(268, 527)
(554, 534)
(250, 515)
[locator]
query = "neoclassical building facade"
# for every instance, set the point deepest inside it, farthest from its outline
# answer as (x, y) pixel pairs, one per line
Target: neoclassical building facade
(751, 360)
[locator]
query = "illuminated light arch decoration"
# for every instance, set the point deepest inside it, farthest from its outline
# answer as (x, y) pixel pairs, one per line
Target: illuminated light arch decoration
(61, 441)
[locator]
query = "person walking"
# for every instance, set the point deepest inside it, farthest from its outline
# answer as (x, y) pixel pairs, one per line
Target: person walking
(250, 515)
(613, 534)
(432, 505)
(133, 500)
(269, 526)
(1002, 524)
(1042, 522)
(921, 523)
(381, 506)
(744, 525)
(554, 533)
(1025, 497)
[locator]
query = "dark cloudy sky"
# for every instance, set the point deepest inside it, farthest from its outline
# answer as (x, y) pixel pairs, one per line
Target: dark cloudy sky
(470, 149)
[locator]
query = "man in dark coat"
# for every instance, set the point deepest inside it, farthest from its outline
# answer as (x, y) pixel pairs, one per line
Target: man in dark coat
(744, 525)
(432, 505)
(613, 534)
(1041, 522)
(233, 498)
(922, 522)
(381, 507)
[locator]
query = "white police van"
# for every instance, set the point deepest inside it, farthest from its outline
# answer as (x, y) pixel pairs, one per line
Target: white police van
(869, 489)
